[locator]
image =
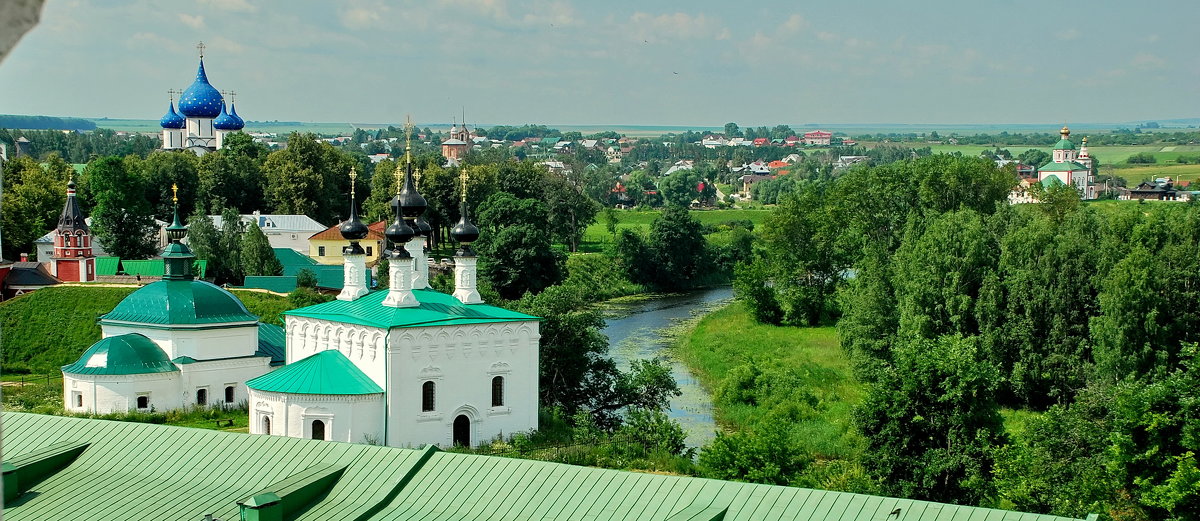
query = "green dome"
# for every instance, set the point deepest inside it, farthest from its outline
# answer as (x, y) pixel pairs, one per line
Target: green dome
(1064, 144)
(130, 353)
(180, 302)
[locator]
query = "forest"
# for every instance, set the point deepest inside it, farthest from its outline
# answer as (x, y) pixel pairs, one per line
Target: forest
(961, 312)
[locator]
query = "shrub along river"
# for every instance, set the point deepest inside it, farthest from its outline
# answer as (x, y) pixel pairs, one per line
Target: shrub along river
(647, 328)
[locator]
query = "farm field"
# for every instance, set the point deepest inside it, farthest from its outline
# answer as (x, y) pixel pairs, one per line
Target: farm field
(1135, 175)
(1108, 155)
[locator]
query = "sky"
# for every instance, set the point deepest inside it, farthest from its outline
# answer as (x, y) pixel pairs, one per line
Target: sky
(613, 62)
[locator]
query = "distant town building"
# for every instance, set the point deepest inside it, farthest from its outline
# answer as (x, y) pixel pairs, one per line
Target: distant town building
(202, 121)
(455, 148)
(818, 138)
(282, 231)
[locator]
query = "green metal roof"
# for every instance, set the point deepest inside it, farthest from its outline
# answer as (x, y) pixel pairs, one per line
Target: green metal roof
(107, 266)
(1068, 166)
(327, 372)
(284, 284)
(435, 308)
(156, 472)
(156, 268)
(122, 354)
(1064, 144)
(1051, 181)
(180, 302)
(271, 342)
(289, 257)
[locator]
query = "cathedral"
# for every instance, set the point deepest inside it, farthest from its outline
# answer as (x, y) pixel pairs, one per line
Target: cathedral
(1070, 167)
(404, 366)
(202, 121)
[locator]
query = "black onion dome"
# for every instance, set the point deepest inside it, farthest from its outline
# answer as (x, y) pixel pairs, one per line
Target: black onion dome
(399, 232)
(423, 227)
(411, 202)
(353, 229)
(464, 231)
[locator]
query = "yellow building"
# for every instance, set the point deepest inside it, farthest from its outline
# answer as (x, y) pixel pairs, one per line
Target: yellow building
(326, 246)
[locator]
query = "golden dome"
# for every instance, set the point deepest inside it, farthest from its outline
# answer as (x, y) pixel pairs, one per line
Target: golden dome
(1065, 132)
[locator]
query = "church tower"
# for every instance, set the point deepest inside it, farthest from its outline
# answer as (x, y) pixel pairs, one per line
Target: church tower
(202, 121)
(73, 259)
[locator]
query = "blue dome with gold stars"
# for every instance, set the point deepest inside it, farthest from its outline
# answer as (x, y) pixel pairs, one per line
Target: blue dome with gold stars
(201, 100)
(172, 119)
(241, 123)
(225, 121)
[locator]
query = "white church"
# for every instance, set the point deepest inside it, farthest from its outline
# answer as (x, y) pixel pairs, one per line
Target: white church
(404, 366)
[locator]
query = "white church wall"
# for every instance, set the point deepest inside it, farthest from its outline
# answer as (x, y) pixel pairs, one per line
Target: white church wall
(461, 361)
(104, 394)
(214, 376)
(201, 344)
(362, 345)
(347, 418)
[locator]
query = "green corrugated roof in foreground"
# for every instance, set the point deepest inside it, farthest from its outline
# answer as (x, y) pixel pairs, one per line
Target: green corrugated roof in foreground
(155, 472)
(436, 308)
(327, 372)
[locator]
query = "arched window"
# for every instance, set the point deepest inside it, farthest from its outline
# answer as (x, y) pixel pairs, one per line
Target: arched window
(498, 391)
(427, 397)
(201, 396)
(266, 425)
(143, 402)
(229, 394)
(318, 430)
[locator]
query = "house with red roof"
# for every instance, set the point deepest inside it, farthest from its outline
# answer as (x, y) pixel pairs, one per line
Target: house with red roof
(818, 138)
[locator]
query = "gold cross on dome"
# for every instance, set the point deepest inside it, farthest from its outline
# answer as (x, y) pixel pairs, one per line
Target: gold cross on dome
(200, 46)
(172, 93)
(175, 193)
(353, 176)
(463, 175)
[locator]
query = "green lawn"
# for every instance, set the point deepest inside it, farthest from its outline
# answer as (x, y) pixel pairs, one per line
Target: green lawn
(807, 377)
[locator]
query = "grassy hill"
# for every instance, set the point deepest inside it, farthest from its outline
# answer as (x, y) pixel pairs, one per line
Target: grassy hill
(51, 327)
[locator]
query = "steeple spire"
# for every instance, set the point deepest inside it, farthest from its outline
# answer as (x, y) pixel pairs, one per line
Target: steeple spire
(400, 265)
(464, 259)
(177, 256)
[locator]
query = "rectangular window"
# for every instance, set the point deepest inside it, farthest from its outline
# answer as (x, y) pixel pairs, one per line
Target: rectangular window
(369, 251)
(320, 251)
(143, 402)
(77, 398)
(229, 393)
(201, 396)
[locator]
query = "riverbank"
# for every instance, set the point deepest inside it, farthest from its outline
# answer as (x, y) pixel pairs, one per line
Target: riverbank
(761, 374)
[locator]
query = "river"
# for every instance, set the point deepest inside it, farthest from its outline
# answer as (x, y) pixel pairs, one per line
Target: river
(639, 330)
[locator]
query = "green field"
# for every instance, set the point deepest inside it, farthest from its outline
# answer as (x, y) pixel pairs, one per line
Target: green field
(639, 220)
(807, 377)
(1135, 175)
(1108, 155)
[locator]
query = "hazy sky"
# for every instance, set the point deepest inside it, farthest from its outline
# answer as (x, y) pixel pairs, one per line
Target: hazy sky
(613, 62)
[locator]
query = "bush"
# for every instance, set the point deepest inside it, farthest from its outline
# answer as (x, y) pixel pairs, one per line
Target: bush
(1142, 158)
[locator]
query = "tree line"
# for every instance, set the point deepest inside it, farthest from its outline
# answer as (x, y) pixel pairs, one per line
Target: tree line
(955, 306)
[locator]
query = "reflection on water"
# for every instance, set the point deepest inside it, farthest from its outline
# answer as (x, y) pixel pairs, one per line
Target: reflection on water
(639, 330)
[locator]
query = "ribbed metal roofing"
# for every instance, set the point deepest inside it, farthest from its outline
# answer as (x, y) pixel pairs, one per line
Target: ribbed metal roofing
(272, 343)
(122, 354)
(327, 372)
(180, 302)
(435, 308)
(151, 472)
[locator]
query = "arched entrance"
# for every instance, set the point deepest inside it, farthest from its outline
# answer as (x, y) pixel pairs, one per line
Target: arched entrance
(462, 430)
(266, 423)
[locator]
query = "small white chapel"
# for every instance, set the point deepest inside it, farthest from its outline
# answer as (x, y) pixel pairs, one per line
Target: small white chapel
(404, 366)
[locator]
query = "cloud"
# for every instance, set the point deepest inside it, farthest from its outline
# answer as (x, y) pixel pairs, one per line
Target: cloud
(195, 22)
(1069, 34)
(239, 6)
(673, 26)
(1148, 61)
(794, 23)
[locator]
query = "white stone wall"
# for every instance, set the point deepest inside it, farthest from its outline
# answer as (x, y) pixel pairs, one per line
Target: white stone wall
(201, 344)
(363, 345)
(104, 394)
(461, 362)
(348, 418)
(216, 375)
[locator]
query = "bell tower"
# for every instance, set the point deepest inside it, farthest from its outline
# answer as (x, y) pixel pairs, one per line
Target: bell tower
(73, 260)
